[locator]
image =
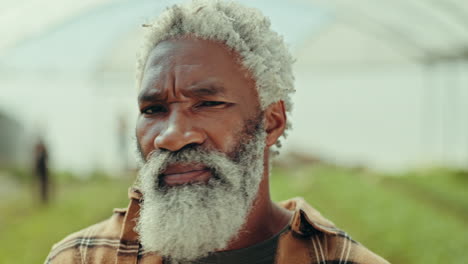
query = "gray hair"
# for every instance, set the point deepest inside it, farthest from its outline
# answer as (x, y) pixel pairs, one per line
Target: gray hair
(245, 30)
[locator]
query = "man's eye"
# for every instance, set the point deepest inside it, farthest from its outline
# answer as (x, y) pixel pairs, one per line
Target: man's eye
(156, 109)
(212, 104)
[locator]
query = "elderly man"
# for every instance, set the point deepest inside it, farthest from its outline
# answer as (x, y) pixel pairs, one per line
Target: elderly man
(214, 89)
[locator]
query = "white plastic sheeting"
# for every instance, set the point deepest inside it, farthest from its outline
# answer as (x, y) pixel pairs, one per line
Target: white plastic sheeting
(420, 30)
(379, 83)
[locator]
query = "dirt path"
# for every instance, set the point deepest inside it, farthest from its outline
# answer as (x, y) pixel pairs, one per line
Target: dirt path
(428, 197)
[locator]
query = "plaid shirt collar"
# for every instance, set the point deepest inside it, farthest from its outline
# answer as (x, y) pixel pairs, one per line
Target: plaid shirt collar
(311, 239)
(303, 222)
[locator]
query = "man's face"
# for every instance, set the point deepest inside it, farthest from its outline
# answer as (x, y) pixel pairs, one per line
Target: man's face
(193, 92)
(202, 138)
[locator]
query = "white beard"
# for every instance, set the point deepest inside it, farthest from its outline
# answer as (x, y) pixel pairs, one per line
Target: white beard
(186, 222)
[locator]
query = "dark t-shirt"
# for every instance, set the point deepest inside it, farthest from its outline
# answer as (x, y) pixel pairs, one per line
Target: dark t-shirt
(261, 253)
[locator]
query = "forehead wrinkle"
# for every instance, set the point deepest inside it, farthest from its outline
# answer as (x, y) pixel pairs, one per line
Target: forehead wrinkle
(175, 74)
(152, 94)
(160, 55)
(180, 74)
(153, 75)
(209, 87)
(158, 75)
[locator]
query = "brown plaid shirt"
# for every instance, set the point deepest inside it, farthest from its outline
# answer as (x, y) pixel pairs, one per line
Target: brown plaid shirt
(310, 239)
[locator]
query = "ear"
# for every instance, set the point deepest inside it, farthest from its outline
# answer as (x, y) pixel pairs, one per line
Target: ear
(275, 122)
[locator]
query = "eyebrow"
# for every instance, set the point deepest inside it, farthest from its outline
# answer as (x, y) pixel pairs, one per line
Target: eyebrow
(204, 88)
(152, 95)
(198, 89)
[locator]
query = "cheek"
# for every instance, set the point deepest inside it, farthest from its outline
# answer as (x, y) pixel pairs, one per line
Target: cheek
(146, 131)
(224, 133)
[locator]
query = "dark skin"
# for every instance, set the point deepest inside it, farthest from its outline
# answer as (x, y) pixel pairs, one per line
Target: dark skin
(194, 92)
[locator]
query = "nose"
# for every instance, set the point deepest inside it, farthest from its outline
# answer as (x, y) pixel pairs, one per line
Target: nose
(178, 133)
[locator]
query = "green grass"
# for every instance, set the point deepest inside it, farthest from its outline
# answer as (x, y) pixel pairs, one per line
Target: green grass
(29, 229)
(390, 221)
(446, 187)
(383, 213)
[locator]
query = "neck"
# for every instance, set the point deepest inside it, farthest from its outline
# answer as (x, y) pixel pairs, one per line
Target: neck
(265, 219)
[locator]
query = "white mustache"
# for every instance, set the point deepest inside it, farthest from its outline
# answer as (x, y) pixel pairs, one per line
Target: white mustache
(159, 160)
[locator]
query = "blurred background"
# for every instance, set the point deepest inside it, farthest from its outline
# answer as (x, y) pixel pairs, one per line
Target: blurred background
(380, 123)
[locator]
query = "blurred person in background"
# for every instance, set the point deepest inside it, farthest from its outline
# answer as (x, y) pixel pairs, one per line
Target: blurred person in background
(41, 170)
(214, 92)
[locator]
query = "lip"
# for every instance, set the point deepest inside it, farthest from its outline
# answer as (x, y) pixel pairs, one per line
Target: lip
(178, 174)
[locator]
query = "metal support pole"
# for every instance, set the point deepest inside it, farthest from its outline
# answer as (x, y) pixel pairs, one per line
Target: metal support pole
(450, 113)
(427, 118)
(457, 109)
(464, 111)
